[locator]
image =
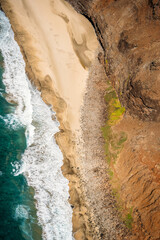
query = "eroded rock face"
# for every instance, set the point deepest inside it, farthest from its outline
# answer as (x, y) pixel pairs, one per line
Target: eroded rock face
(129, 33)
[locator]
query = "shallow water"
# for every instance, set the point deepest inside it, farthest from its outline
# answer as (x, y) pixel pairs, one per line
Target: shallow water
(17, 209)
(33, 192)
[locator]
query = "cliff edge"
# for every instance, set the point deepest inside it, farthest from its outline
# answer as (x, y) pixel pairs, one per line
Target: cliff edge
(128, 32)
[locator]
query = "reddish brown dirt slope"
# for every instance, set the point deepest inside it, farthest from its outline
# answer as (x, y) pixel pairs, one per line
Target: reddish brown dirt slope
(129, 33)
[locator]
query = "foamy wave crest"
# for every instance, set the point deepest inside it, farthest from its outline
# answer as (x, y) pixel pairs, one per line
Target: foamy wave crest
(21, 212)
(17, 168)
(42, 160)
(14, 76)
(11, 121)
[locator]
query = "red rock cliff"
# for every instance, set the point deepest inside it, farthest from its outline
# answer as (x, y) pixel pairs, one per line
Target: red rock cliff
(129, 33)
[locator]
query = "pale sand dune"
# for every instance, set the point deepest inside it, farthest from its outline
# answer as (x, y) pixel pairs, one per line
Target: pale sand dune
(58, 46)
(62, 46)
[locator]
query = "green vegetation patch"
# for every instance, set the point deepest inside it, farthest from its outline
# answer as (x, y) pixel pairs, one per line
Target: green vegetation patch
(110, 173)
(113, 142)
(125, 214)
(128, 220)
(115, 110)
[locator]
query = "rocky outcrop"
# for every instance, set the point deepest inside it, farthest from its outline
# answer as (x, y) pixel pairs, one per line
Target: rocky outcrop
(128, 32)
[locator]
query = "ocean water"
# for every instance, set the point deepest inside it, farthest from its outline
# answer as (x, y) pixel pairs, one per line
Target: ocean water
(18, 218)
(33, 192)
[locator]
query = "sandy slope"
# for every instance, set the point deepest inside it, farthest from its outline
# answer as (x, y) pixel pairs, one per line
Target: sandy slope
(62, 44)
(58, 47)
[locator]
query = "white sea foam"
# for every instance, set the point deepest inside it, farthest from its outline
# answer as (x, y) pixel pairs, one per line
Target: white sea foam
(14, 76)
(42, 159)
(21, 212)
(11, 121)
(17, 168)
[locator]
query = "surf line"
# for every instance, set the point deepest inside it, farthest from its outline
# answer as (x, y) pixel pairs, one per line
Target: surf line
(42, 159)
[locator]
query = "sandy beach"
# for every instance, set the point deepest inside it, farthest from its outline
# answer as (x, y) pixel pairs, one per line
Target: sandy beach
(59, 47)
(106, 100)
(58, 55)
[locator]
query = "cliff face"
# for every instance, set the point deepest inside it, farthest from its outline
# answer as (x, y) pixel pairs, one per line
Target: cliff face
(128, 31)
(129, 35)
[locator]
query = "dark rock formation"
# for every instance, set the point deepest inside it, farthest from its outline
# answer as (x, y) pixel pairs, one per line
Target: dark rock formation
(129, 33)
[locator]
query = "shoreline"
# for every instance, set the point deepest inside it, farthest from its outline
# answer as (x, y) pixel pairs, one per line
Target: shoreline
(21, 218)
(84, 165)
(66, 137)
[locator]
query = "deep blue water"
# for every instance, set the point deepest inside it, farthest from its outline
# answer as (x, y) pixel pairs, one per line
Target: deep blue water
(18, 219)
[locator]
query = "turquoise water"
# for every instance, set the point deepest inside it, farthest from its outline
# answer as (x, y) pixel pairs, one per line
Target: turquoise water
(33, 191)
(18, 219)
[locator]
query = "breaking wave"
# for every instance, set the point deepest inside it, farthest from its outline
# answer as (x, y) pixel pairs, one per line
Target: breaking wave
(42, 159)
